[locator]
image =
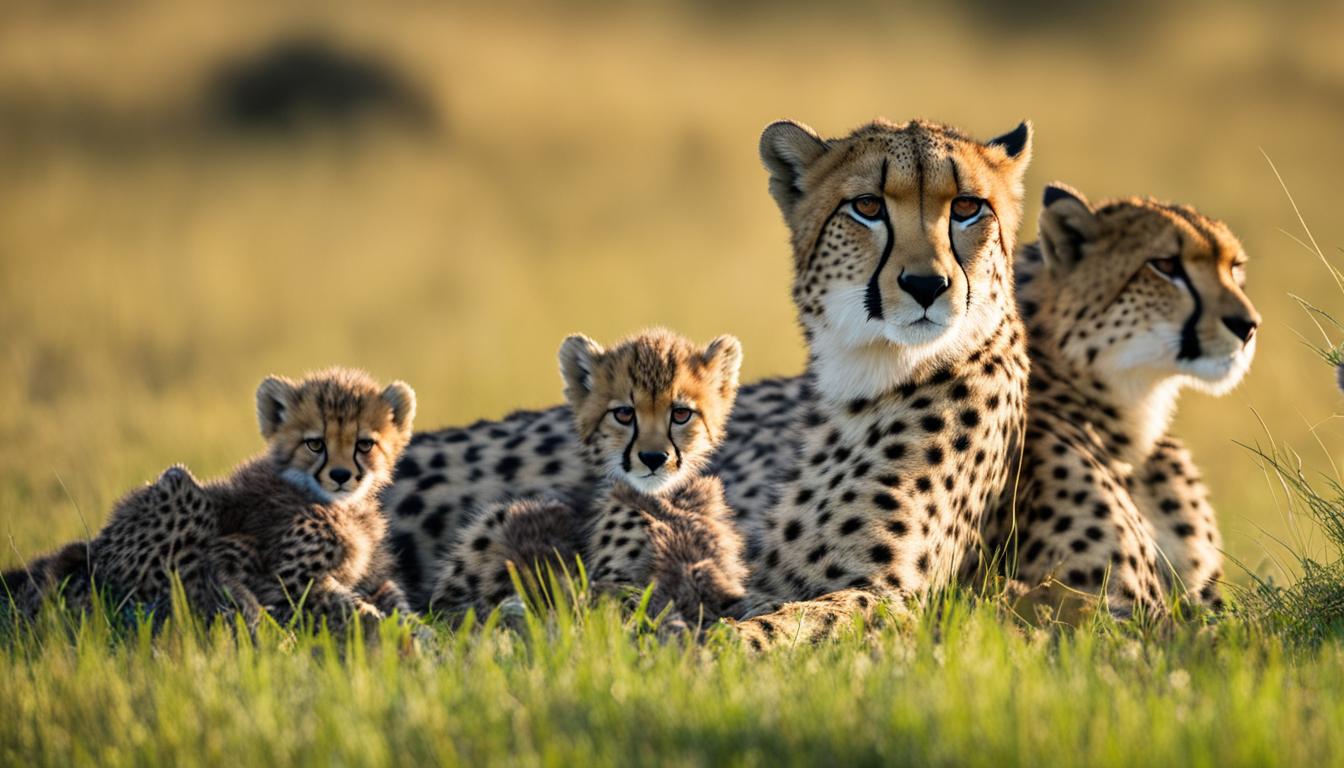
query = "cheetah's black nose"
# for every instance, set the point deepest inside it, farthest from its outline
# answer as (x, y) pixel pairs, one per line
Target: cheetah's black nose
(924, 288)
(653, 459)
(339, 475)
(1244, 328)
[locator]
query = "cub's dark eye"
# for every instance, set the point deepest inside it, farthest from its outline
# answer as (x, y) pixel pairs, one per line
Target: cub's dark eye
(1239, 273)
(364, 446)
(624, 414)
(316, 445)
(681, 415)
(966, 208)
(868, 206)
(1170, 266)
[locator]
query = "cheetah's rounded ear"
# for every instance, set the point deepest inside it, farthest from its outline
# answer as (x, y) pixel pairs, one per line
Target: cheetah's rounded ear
(578, 356)
(724, 355)
(275, 396)
(788, 149)
(1067, 222)
(1016, 146)
(402, 399)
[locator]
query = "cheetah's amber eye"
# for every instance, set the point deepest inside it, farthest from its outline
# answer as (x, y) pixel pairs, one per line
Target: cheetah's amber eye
(1170, 266)
(316, 445)
(624, 414)
(966, 208)
(868, 206)
(364, 446)
(681, 415)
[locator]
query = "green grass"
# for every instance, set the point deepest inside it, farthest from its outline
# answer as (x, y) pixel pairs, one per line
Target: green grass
(962, 687)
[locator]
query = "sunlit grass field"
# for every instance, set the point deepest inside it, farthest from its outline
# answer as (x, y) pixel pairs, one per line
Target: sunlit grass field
(595, 170)
(958, 689)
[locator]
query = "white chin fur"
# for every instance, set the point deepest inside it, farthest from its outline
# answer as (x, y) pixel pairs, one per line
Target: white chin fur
(651, 484)
(308, 484)
(857, 356)
(1218, 376)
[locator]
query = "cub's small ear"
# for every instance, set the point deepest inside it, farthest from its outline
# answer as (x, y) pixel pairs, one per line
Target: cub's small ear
(724, 355)
(578, 358)
(401, 397)
(1066, 224)
(275, 397)
(788, 149)
(1016, 146)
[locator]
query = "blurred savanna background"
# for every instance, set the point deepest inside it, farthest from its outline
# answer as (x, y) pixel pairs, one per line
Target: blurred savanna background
(195, 195)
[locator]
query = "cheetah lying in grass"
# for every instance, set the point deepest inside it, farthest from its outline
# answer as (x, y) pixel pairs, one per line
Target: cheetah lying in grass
(299, 524)
(649, 412)
(1127, 303)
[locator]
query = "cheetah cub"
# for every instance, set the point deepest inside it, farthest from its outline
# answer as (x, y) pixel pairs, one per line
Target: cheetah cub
(299, 523)
(303, 522)
(649, 413)
(155, 531)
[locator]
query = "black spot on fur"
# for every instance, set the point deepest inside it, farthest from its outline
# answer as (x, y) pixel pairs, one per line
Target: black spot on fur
(411, 506)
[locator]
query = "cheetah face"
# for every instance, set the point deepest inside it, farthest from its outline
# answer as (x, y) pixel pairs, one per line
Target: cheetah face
(652, 409)
(335, 434)
(1148, 292)
(901, 235)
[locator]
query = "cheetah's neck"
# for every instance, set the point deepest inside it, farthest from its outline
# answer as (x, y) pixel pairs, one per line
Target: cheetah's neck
(1128, 414)
(1144, 410)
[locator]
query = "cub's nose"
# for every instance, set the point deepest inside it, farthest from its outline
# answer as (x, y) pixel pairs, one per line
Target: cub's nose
(1243, 327)
(339, 475)
(924, 288)
(653, 459)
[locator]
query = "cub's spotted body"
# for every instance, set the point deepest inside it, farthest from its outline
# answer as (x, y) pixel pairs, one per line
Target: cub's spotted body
(1127, 303)
(446, 475)
(299, 523)
(158, 530)
(684, 541)
(648, 414)
(302, 522)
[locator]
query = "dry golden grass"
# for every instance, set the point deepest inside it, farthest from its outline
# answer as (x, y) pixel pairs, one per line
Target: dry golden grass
(594, 170)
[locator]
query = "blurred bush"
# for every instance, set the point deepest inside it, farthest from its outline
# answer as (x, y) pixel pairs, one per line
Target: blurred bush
(309, 81)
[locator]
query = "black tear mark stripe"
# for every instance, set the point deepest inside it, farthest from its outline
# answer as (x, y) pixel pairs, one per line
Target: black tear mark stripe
(873, 300)
(634, 424)
(1190, 347)
(672, 438)
(322, 411)
(952, 241)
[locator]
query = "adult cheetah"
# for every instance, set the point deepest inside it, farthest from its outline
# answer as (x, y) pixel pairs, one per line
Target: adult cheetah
(873, 468)
(902, 241)
(1127, 303)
